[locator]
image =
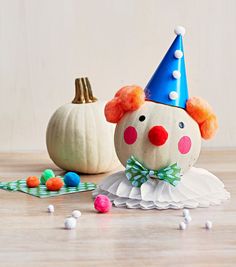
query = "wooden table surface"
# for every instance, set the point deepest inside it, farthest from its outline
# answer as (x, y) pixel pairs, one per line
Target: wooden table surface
(29, 236)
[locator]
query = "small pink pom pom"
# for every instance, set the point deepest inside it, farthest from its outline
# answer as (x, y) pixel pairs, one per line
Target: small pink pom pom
(102, 203)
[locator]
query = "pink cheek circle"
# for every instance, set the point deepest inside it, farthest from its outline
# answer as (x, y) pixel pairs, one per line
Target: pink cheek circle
(130, 135)
(184, 144)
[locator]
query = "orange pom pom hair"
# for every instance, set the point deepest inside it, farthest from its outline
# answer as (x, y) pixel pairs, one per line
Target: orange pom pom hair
(203, 114)
(128, 98)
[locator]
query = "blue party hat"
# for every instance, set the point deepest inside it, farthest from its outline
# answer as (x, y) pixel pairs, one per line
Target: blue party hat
(168, 84)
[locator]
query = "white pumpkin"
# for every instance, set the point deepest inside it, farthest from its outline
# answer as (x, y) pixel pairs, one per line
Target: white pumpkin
(78, 136)
(182, 145)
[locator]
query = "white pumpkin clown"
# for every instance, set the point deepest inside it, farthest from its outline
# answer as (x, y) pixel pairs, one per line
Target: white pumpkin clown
(158, 139)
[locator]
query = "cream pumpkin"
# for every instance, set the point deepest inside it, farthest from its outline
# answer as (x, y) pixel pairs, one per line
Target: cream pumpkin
(78, 136)
(182, 145)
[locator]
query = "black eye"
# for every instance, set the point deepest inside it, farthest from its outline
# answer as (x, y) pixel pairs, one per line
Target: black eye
(181, 125)
(142, 118)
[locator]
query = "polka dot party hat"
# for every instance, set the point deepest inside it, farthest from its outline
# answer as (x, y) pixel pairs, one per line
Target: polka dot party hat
(168, 84)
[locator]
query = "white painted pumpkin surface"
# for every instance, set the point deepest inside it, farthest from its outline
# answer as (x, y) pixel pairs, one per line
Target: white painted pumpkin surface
(182, 145)
(80, 139)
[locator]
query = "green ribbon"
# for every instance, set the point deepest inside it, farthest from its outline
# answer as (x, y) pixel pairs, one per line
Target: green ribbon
(137, 174)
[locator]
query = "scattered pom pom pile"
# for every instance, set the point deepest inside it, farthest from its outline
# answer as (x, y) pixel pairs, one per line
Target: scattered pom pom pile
(71, 179)
(187, 219)
(32, 181)
(71, 222)
(54, 184)
(102, 203)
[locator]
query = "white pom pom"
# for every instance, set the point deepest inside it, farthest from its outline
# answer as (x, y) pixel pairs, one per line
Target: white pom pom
(208, 225)
(173, 95)
(176, 74)
(185, 212)
(50, 208)
(178, 54)
(182, 226)
(70, 223)
(187, 219)
(180, 30)
(76, 214)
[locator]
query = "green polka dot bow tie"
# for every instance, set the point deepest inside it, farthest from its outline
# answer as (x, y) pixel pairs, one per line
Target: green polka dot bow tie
(137, 174)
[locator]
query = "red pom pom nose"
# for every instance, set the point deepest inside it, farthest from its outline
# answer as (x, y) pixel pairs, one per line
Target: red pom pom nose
(157, 135)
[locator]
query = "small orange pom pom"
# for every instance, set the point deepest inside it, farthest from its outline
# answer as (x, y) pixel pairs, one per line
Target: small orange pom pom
(131, 97)
(208, 127)
(198, 109)
(32, 181)
(113, 110)
(54, 184)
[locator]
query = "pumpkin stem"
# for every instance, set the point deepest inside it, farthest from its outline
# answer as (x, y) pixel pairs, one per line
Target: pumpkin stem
(83, 91)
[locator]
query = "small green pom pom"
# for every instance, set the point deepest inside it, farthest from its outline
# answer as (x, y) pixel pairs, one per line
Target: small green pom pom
(47, 174)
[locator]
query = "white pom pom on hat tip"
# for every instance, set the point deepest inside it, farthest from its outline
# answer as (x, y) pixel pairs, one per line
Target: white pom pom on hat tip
(179, 30)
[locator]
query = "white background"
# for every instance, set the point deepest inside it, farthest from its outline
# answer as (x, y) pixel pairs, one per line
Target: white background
(45, 44)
